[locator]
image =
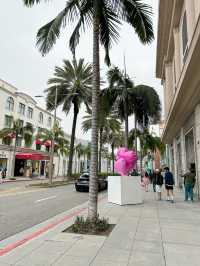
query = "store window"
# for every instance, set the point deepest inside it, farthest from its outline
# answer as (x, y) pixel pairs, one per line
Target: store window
(41, 118)
(10, 104)
(8, 121)
(21, 110)
(30, 113)
(184, 37)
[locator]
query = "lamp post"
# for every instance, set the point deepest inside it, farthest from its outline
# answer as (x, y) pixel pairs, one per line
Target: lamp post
(53, 136)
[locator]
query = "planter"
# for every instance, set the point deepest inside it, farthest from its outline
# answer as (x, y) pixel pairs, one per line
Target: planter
(125, 190)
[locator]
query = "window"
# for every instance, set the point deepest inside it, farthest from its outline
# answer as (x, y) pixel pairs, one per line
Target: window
(41, 117)
(184, 37)
(10, 104)
(49, 122)
(21, 123)
(8, 121)
(30, 113)
(21, 109)
(38, 147)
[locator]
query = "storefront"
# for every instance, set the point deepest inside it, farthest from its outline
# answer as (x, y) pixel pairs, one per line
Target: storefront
(31, 164)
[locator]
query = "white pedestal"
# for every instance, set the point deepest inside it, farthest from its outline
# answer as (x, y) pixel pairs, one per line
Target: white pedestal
(124, 190)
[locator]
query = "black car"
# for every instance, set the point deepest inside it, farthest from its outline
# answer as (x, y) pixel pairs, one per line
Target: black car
(82, 184)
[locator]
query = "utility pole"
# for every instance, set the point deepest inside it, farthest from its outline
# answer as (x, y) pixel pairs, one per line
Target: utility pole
(53, 140)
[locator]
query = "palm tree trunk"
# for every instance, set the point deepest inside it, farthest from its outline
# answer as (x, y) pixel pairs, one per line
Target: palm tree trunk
(126, 125)
(13, 161)
(93, 190)
(100, 147)
(113, 158)
(71, 151)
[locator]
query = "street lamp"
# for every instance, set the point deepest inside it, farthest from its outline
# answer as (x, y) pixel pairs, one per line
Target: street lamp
(53, 136)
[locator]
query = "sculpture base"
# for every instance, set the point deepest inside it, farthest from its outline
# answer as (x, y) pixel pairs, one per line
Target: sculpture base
(124, 190)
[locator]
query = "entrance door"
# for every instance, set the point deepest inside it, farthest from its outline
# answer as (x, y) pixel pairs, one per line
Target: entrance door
(189, 147)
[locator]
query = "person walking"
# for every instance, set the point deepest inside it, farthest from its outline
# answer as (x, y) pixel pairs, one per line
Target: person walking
(169, 184)
(159, 183)
(153, 178)
(189, 183)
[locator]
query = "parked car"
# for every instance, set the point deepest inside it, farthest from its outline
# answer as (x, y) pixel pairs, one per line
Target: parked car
(82, 184)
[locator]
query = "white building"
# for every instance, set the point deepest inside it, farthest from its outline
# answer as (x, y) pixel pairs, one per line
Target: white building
(17, 105)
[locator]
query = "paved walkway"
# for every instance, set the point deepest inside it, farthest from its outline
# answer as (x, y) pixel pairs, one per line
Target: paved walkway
(152, 234)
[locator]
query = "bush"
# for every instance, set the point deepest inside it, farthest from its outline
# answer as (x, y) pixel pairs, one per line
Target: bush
(85, 225)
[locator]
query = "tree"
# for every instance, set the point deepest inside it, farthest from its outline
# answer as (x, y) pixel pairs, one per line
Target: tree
(62, 148)
(56, 134)
(105, 18)
(115, 139)
(121, 89)
(147, 143)
(73, 82)
(80, 151)
(16, 131)
(106, 123)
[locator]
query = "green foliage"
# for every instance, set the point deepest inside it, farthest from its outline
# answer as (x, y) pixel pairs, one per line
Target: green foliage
(109, 14)
(85, 225)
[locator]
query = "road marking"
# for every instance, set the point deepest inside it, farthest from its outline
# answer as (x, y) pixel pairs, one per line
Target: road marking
(52, 197)
(35, 234)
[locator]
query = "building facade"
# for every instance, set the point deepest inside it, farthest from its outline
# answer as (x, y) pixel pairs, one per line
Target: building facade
(17, 105)
(178, 57)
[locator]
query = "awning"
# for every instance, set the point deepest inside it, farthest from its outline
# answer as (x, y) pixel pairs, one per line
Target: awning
(32, 156)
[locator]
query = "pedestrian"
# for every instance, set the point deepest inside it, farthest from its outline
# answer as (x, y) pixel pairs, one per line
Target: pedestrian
(146, 181)
(169, 184)
(189, 183)
(154, 180)
(158, 183)
(1, 180)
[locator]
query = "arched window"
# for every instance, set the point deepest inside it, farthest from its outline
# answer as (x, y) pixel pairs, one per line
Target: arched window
(41, 117)
(49, 121)
(10, 104)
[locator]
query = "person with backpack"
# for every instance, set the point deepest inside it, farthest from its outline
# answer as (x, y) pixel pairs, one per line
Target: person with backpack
(169, 184)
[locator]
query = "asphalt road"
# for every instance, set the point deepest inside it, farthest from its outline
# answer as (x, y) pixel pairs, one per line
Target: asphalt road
(22, 208)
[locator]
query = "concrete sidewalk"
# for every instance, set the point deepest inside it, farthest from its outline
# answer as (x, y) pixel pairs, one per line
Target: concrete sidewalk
(152, 234)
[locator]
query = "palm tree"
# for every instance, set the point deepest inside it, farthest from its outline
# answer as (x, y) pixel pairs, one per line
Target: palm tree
(147, 143)
(105, 17)
(62, 148)
(121, 89)
(106, 123)
(80, 152)
(18, 131)
(73, 82)
(56, 134)
(115, 139)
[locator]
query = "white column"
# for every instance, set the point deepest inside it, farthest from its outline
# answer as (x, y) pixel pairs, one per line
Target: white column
(175, 162)
(197, 142)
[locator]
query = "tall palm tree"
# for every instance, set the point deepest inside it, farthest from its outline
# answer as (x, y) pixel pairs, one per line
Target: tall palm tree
(56, 134)
(105, 17)
(16, 131)
(106, 123)
(80, 150)
(62, 149)
(121, 88)
(115, 139)
(73, 82)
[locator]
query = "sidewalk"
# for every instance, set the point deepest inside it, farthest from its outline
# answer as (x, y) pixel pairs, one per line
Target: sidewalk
(152, 234)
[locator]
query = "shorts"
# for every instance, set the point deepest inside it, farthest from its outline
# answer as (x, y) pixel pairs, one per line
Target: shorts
(158, 188)
(169, 187)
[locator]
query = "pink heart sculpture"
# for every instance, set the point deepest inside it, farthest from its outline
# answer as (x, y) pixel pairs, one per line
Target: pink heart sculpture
(125, 161)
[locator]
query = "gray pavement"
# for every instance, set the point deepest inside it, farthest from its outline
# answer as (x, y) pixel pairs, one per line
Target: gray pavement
(151, 234)
(22, 208)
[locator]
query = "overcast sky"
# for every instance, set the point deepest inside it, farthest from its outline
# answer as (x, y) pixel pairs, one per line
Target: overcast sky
(23, 66)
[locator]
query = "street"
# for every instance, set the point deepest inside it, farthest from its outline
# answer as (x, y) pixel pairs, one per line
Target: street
(22, 208)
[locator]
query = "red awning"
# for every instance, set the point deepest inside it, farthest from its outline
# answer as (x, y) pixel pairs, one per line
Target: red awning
(32, 156)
